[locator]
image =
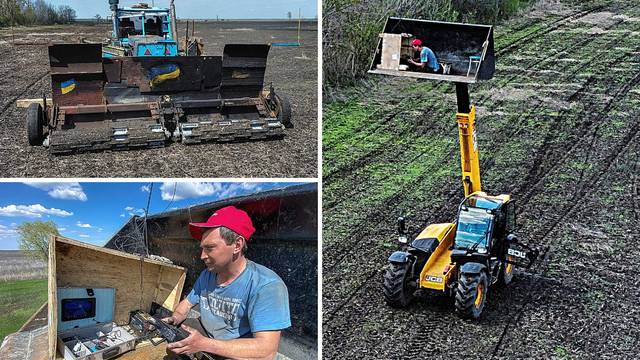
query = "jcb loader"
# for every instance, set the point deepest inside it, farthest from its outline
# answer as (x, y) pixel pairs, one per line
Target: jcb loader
(479, 248)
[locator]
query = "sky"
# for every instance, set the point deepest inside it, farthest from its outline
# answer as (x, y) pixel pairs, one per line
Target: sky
(205, 9)
(93, 212)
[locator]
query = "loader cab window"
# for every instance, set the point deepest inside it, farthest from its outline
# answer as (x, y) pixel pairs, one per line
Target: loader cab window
(474, 228)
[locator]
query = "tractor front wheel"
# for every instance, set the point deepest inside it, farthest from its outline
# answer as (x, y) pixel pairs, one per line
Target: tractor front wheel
(35, 124)
(397, 291)
(471, 295)
(284, 109)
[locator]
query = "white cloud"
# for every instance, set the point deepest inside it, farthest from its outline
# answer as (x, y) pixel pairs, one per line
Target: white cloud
(185, 190)
(62, 229)
(35, 211)
(7, 231)
(84, 236)
(133, 211)
(88, 226)
(65, 191)
(145, 188)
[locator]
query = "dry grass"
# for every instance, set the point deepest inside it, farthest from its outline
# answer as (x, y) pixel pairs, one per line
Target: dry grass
(15, 265)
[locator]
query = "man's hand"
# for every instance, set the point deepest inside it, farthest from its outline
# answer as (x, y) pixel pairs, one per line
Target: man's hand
(169, 320)
(192, 344)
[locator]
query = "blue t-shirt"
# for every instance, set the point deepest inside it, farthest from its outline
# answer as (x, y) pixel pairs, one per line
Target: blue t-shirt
(257, 300)
(429, 58)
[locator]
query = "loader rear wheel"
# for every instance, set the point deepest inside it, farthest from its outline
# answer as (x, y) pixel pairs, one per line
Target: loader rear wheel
(506, 272)
(397, 291)
(284, 109)
(471, 295)
(35, 124)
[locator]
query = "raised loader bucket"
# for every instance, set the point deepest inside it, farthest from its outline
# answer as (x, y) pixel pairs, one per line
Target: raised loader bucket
(128, 102)
(465, 50)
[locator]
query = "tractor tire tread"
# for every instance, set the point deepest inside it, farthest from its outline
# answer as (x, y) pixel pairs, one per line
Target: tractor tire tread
(395, 293)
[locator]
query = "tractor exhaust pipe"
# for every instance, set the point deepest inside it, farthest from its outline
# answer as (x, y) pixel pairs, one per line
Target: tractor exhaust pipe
(174, 25)
(113, 4)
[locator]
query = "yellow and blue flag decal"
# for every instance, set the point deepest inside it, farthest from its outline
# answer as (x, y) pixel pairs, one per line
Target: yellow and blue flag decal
(68, 86)
(162, 73)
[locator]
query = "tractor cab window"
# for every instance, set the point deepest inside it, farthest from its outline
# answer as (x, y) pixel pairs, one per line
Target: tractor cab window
(474, 228)
(132, 25)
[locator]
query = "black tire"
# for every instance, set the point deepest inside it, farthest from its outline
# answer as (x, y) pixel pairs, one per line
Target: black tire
(35, 124)
(471, 295)
(397, 291)
(506, 273)
(284, 109)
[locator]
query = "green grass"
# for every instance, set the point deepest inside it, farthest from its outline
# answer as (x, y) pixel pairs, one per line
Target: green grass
(19, 300)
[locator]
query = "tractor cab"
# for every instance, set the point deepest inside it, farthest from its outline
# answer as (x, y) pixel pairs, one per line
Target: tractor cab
(141, 30)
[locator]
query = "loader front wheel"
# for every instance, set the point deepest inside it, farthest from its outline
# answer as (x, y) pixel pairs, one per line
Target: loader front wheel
(35, 124)
(284, 110)
(471, 295)
(397, 291)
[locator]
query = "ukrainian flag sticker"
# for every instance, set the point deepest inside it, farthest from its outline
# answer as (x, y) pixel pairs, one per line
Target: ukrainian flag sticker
(68, 86)
(161, 73)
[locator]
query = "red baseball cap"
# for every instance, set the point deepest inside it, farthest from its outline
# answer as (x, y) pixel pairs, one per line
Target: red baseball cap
(416, 42)
(229, 217)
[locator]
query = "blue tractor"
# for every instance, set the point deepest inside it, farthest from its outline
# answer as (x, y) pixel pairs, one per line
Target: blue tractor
(143, 30)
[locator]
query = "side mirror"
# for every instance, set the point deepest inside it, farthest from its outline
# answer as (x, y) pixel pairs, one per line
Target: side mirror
(512, 238)
(402, 230)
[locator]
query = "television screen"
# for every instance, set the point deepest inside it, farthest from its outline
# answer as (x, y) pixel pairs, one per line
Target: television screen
(76, 309)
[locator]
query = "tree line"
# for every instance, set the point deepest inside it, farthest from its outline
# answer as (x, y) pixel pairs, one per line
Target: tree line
(38, 12)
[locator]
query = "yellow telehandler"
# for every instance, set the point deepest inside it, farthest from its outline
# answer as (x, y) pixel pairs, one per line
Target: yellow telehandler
(479, 248)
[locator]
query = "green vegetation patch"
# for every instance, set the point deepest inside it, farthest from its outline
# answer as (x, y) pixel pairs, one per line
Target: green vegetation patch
(19, 300)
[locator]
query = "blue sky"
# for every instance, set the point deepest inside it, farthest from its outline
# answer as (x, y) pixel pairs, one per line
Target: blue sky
(93, 212)
(203, 9)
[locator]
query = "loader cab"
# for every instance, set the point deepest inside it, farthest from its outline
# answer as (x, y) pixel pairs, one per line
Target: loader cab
(481, 221)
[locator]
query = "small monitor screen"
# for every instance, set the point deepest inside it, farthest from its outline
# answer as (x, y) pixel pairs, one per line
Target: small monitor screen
(76, 309)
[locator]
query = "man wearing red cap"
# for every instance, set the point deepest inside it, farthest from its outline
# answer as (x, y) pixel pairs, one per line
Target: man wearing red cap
(428, 61)
(243, 305)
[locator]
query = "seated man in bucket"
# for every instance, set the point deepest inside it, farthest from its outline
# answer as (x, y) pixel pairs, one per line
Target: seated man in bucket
(428, 61)
(243, 305)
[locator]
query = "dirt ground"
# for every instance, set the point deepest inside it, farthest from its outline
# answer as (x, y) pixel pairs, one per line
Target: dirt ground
(565, 145)
(292, 70)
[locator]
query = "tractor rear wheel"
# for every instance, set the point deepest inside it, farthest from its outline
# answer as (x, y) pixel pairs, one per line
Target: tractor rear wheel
(397, 291)
(506, 272)
(471, 295)
(35, 124)
(284, 109)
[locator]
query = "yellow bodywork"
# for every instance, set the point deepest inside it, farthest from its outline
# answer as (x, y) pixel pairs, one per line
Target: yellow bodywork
(505, 198)
(433, 275)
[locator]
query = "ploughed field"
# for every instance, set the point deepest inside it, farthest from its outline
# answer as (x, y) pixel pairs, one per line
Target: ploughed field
(557, 129)
(292, 70)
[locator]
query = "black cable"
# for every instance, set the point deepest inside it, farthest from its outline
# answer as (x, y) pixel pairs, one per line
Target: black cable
(175, 185)
(146, 213)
